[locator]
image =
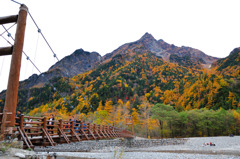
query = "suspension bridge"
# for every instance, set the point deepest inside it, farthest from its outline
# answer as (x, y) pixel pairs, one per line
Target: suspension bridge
(43, 131)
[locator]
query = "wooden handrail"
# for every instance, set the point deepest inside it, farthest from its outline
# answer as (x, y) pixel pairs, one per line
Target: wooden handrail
(31, 117)
(77, 131)
(8, 113)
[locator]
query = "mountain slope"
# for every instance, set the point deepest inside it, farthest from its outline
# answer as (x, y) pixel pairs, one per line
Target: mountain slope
(229, 66)
(184, 56)
(78, 62)
(81, 61)
(132, 72)
(132, 77)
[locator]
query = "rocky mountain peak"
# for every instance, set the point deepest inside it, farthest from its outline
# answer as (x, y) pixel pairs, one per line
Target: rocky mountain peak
(147, 36)
(235, 51)
(168, 52)
(78, 62)
(150, 43)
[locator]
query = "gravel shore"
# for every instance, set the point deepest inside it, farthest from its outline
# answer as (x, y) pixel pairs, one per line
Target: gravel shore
(193, 148)
(223, 145)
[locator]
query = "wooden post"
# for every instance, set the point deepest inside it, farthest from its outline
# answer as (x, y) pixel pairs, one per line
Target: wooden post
(94, 128)
(13, 81)
(4, 117)
(81, 129)
(72, 127)
(88, 128)
(21, 126)
(125, 123)
(44, 126)
(60, 128)
(21, 122)
(132, 127)
(60, 123)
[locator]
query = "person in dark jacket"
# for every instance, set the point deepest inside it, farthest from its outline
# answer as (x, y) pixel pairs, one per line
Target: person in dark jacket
(18, 115)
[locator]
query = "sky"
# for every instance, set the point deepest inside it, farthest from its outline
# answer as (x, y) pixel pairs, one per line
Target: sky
(211, 26)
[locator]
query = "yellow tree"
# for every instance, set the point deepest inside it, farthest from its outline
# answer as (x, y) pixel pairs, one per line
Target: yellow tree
(100, 106)
(128, 105)
(119, 112)
(108, 106)
(146, 121)
(232, 99)
(135, 116)
(110, 110)
(101, 116)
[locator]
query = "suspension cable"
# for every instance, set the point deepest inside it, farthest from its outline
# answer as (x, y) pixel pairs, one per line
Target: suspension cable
(39, 30)
(31, 62)
(54, 55)
(2, 66)
(34, 59)
(22, 51)
(7, 40)
(8, 29)
(16, 2)
(2, 62)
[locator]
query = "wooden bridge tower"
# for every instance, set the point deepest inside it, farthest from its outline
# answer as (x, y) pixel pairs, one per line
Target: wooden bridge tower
(14, 74)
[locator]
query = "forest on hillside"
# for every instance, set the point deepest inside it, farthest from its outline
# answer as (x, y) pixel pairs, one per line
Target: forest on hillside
(164, 99)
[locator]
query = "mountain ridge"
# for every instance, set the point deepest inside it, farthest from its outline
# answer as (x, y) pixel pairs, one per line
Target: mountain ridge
(81, 61)
(168, 52)
(131, 72)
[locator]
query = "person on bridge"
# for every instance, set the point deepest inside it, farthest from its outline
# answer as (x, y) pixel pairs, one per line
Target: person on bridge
(50, 122)
(28, 125)
(18, 116)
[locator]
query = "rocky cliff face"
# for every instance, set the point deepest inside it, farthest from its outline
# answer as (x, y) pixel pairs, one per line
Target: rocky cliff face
(169, 52)
(172, 53)
(78, 62)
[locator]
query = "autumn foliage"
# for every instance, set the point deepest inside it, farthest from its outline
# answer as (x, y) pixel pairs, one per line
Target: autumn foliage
(164, 99)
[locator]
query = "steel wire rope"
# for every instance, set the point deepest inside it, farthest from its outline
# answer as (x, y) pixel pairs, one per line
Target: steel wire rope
(39, 30)
(36, 48)
(2, 66)
(55, 56)
(54, 88)
(3, 57)
(8, 29)
(51, 83)
(28, 58)
(16, 2)
(22, 51)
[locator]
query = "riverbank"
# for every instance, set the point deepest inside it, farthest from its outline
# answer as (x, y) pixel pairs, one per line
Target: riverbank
(196, 148)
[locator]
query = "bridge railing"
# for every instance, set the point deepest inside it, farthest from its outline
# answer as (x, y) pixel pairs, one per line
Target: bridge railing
(43, 132)
(4, 122)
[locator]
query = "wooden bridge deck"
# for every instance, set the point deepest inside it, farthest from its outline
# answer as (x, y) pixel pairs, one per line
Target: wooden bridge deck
(40, 133)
